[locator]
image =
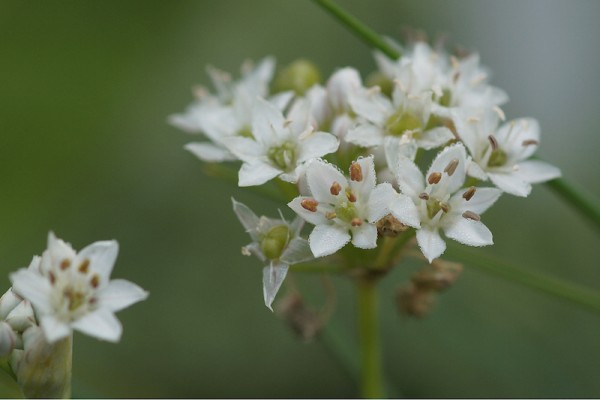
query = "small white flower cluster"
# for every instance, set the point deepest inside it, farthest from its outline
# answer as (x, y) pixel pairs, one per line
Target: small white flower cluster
(426, 101)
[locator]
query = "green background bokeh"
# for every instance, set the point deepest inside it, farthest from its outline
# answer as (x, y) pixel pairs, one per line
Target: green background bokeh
(85, 151)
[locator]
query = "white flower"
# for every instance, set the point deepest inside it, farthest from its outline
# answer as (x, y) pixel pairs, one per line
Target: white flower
(279, 146)
(438, 202)
(404, 120)
(340, 207)
(501, 154)
(70, 290)
(276, 241)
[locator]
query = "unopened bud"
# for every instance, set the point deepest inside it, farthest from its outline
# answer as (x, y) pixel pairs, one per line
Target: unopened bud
(304, 321)
(274, 242)
(437, 276)
(298, 76)
(8, 339)
(8, 302)
(414, 302)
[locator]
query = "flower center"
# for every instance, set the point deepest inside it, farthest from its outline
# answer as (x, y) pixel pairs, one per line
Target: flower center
(434, 206)
(446, 98)
(497, 158)
(283, 156)
(346, 211)
(273, 243)
(246, 132)
(74, 298)
(401, 121)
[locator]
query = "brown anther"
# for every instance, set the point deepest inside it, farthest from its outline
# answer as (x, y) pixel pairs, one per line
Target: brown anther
(530, 142)
(469, 193)
(66, 263)
(451, 167)
(493, 142)
(335, 188)
(330, 215)
(52, 277)
(444, 206)
(434, 178)
(92, 300)
(471, 215)
(95, 281)
(84, 267)
(351, 197)
(309, 204)
(455, 76)
(356, 221)
(424, 196)
(356, 172)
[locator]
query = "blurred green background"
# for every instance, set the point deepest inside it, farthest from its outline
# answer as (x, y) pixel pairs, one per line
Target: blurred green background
(85, 151)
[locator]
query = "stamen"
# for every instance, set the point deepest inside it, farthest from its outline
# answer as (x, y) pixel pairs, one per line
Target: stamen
(351, 197)
(455, 63)
(530, 142)
(95, 281)
(84, 267)
(356, 172)
(52, 277)
(493, 142)
(434, 178)
(451, 167)
(469, 193)
(66, 263)
(287, 123)
(335, 188)
(246, 251)
(472, 120)
(92, 300)
(444, 206)
(455, 76)
(424, 196)
(356, 222)
(471, 215)
(309, 204)
(500, 113)
(330, 215)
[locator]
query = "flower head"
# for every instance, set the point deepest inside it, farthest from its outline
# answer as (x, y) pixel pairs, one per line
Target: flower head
(70, 290)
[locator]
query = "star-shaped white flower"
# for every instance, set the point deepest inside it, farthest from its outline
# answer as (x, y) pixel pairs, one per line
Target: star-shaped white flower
(70, 290)
(279, 146)
(438, 202)
(275, 241)
(340, 208)
(501, 154)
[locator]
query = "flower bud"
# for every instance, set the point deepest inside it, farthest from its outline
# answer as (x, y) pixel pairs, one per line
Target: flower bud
(303, 320)
(274, 242)
(299, 76)
(8, 302)
(21, 317)
(8, 339)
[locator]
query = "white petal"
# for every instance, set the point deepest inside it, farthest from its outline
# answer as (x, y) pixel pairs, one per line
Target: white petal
(510, 183)
(431, 243)
(513, 133)
(33, 287)
(365, 236)
(435, 137)
(534, 171)
(320, 176)
(314, 217)
(102, 256)
(256, 174)
(343, 82)
(247, 217)
(119, 294)
(469, 232)
(327, 239)
(450, 184)
(410, 178)
(57, 251)
(54, 330)
(297, 251)
(482, 200)
(209, 152)
(372, 106)
(405, 211)
(475, 170)
(365, 134)
(267, 122)
(101, 324)
(316, 145)
(245, 149)
(380, 201)
(395, 149)
(273, 277)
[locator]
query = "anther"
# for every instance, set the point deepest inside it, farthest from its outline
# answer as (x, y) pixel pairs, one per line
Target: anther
(335, 189)
(356, 221)
(424, 196)
(95, 281)
(309, 204)
(434, 178)
(500, 113)
(356, 172)
(471, 215)
(84, 267)
(330, 215)
(469, 193)
(52, 277)
(444, 206)
(455, 76)
(473, 120)
(287, 123)
(66, 263)
(451, 167)
(351, 197)
(530, 142)
(493, 142)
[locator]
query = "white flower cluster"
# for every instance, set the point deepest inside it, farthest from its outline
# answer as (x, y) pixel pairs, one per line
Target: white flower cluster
(426, 101)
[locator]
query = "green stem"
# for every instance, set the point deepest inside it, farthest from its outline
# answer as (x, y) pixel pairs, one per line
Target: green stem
(368, 329)
(579, 200)
(318, 267)
(570, 292)
(368, 35)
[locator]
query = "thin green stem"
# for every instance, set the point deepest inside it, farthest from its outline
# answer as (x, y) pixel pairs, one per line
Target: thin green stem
(556, 287)
(368, 330)
(579, 200)
(361, 30)
(318, 267)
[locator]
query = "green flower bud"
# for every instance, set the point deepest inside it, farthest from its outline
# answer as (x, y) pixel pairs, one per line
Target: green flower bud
(273, 243)
(299, 76)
